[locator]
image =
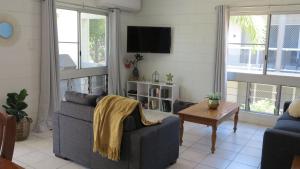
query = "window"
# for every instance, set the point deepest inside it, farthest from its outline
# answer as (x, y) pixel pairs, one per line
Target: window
(68, 41)
(246, 48)
(286, 59)
(93, 40)
(82, 38)
(263, 62)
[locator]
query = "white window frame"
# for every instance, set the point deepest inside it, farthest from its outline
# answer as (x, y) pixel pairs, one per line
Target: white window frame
(279, 80)
(85, 72)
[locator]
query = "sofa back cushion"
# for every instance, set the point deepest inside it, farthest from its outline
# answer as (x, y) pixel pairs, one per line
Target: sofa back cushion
(83, 99)
(294, 108)
(86, 113)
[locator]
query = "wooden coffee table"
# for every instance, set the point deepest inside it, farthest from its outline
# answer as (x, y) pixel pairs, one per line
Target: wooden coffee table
(200, 113)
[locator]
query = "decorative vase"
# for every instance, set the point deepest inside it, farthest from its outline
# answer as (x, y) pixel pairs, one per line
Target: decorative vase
(23, 129)
(135, 73)
(213, 104)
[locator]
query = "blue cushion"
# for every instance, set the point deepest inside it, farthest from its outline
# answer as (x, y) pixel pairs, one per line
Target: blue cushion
(288, 125)
(286, 116)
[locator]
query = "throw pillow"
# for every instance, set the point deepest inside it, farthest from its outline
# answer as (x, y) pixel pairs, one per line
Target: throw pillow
(294, 108)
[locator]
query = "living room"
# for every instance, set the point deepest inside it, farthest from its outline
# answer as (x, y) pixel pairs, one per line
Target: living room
(204, 83)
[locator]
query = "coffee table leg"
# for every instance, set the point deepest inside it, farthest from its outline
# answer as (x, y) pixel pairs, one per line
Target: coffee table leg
(181, 130)
(236, 119)
(213, 138)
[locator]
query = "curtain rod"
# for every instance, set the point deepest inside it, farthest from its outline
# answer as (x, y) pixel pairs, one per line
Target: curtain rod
(250, 6)
(85, 6)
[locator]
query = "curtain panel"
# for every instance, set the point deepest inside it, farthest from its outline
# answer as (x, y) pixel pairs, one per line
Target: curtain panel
(49, 100)
(114, 81)
(220, 78)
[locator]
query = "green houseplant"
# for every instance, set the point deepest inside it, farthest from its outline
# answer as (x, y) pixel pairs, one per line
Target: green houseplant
(214, 100)
(16, 106)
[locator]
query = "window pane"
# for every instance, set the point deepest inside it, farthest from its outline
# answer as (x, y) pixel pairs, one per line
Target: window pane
(63, 88)
(288, 94)
(245, 58)
(246, 49)
(284, 57)
(67, 25)
(236, 92)
(262, 98)
(98, 84)
(93, 40)
(68, 54)
(80, 85)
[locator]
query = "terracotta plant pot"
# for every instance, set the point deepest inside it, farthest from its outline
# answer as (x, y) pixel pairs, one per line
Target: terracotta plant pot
(213, 104)
(23, 129)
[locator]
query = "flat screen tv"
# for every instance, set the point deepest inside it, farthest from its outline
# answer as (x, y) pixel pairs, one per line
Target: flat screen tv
(142, 39)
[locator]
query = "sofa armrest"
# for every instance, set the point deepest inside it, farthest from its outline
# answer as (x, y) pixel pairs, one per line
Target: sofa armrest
(279, 148)
(286, 106)
(155, 146)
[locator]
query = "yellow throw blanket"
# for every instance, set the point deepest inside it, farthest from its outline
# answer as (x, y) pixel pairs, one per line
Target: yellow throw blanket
(109, 115)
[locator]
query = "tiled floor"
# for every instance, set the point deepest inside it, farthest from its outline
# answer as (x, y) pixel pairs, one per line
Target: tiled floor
(241, 150)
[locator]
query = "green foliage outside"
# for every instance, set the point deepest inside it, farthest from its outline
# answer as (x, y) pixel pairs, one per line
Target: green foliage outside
(247, 23)
(97, 39)
(16, 105)
(265, 105)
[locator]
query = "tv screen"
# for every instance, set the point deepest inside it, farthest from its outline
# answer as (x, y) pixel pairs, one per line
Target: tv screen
(148, 39)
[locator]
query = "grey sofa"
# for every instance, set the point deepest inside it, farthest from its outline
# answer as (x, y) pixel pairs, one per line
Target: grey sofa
(154, 147)
(281, 143)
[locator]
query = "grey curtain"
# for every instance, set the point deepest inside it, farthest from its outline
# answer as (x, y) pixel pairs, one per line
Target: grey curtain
(220, 78)
(49, 100)
(114, 82)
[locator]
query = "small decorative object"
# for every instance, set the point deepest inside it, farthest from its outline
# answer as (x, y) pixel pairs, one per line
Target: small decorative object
(169, 79)
(6, 30)
(154, 104)
(15, 106)
(133, 62)
(155, 77)
(8, 35)
(214, 100)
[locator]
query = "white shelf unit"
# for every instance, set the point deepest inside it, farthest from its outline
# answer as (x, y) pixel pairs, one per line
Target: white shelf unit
(153, 96)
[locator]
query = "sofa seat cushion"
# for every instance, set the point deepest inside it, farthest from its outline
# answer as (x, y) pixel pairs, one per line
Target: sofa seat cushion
(288, 125)
(286, 116)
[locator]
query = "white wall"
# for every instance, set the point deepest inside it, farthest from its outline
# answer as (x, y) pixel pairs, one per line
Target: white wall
(128, 5)
(194, 40)
(20, 63)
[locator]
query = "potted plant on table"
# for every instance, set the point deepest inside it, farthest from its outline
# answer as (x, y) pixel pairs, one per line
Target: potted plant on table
(15, 106)
(214, 100)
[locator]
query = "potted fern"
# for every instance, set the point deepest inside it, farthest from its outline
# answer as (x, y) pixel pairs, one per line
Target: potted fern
(16, 106)
(214, 100)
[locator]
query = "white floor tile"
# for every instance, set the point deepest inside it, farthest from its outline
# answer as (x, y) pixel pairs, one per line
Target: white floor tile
(33, 158)
(230, 146)
(216, 162)
(50, 163)
(252, 151)
(183, 164)
(236, 165)
(248, 160)
(193, 155)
